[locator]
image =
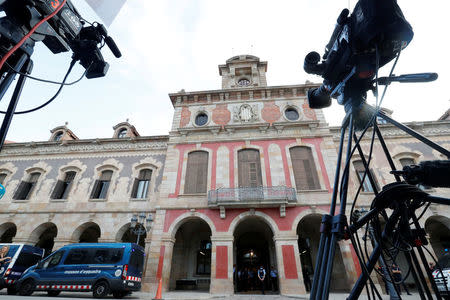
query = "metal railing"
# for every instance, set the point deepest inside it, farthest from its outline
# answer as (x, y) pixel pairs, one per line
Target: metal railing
(244, 195)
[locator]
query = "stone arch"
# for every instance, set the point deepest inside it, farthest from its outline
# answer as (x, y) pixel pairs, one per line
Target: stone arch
(43, 236)
(90, 228)
(438, 229)
(178, 222)
(125, 235)
(305, 213)
(191, 255)
(308, 232)
(8, 231)
(241, 217)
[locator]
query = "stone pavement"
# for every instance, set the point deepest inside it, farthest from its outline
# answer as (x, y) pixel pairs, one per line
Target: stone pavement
(184, 296)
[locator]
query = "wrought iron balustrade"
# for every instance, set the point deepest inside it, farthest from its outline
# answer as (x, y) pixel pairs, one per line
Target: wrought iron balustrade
(252, 195)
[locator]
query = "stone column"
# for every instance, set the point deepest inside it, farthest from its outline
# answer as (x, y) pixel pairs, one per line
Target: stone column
(289, 267)
(222, 265)
(158, 264)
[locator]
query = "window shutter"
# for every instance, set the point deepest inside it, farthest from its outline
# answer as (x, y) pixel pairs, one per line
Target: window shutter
(304, 168)
(135, 187)
(94, 193)
(196, 173)
(58, 190)
(249, 168)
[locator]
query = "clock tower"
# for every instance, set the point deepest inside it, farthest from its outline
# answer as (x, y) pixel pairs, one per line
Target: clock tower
(243, 71)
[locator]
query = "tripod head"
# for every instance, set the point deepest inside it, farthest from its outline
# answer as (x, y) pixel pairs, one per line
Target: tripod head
(66, 31)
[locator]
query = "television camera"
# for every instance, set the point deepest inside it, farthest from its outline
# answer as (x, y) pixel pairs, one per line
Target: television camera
(63, 32)
(61, 28)
(362, 42)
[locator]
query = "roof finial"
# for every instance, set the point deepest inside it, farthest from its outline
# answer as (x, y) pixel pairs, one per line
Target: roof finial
(66, 123)
(128, 120)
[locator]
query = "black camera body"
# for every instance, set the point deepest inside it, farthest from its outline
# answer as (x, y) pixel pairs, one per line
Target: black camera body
(63, 32)
(375, 27)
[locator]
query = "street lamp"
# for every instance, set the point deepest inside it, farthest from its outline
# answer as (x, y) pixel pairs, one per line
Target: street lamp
(138, 228)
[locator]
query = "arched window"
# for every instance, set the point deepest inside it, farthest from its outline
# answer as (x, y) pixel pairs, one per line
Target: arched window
(122, 133)
(249, 167)
(101, 185)
(304, 168)
(196, 173)
(360, 170)
(62, 187)
(141, 184)
(26, 187)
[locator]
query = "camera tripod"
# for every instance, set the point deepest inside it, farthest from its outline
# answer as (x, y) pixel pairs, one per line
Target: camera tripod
(402, 198)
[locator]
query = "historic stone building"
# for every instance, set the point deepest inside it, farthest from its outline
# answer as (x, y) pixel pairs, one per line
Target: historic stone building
(240, 181)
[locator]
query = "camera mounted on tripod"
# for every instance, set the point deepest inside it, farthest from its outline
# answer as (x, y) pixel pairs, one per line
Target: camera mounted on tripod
(362, 42)
(63, 32)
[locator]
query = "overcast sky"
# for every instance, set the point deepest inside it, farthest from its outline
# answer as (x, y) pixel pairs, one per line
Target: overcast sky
(172, 45)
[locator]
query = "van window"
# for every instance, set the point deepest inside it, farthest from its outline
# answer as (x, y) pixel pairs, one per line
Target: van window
(77, 257)
(27, 259)
(53, 260)
(107, 256)
(137, 260)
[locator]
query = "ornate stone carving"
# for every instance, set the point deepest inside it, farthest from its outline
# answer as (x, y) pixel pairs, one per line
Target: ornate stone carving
(84, 147)
(245, 113)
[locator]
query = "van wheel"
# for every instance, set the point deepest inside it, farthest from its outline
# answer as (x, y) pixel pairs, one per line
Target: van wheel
(27, 287)
(119, 295)
(11, 290)
(53, 293)
(101, 289)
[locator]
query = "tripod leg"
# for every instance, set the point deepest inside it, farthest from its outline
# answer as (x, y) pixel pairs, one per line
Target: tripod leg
(324, 237)
(24, 64)
(414, 274)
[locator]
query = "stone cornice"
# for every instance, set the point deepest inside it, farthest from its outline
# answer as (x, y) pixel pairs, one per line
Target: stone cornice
(85, 146)
(240, 94)
(427, 128)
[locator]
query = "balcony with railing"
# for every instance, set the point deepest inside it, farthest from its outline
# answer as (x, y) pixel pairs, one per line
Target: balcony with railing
(252, 196)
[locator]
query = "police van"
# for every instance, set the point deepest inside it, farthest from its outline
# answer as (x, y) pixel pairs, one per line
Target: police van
(103, 269)
(14, 260)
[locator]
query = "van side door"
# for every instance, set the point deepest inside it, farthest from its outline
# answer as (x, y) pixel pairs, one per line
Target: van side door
(49, 270)
(76, 266)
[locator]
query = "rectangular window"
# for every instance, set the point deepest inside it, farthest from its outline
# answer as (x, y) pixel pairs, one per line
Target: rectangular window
(360, 171)
(137, 260)
(62, 187)
(107, 256)
(141, 184)
(101, 186)
(77, 257)
(25, 188)
(304, 168)
(2, 178)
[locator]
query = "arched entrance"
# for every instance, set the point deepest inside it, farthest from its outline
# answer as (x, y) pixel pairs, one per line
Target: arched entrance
(44, 237)
(87, 233)
(191, 258)
(126, 235)
(7, 232)
(253, 247)
(438, 229)
(308, 231)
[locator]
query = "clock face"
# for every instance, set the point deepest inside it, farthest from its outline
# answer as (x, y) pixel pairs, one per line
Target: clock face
(244, 82)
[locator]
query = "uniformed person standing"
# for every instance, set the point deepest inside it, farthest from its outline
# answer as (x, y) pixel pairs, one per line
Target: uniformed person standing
(261, 276)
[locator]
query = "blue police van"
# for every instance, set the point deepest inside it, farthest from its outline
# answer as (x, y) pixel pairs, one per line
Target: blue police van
(14, 260)
(103, 269)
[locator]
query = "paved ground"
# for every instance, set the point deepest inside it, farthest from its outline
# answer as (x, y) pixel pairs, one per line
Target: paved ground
(181, 295)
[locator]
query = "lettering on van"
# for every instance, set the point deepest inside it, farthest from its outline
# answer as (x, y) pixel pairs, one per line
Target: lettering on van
(82, 272)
